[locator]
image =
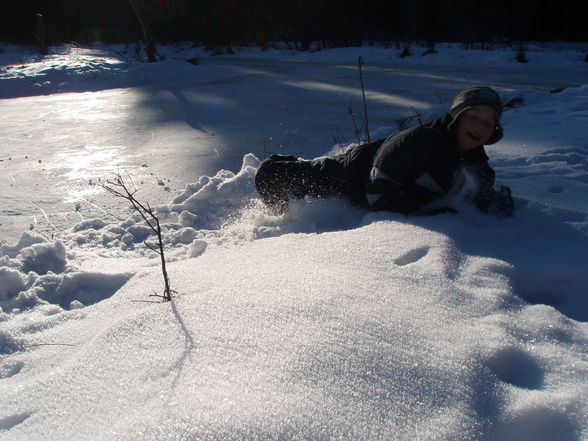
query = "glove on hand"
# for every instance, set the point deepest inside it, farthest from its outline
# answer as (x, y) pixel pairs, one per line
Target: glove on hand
(503, 205)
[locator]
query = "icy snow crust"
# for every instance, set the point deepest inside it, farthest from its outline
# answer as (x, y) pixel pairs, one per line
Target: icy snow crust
(327, 322)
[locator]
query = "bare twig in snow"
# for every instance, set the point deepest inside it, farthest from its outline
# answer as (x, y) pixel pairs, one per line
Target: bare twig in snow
(119, 188)
(366, 126)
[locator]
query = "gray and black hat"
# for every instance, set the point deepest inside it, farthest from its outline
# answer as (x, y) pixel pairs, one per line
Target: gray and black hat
(474, 96)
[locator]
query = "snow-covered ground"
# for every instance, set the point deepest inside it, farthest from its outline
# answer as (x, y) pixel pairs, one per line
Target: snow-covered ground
(325, 323)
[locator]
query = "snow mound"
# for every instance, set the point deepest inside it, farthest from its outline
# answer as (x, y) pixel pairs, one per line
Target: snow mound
(386, 331)
(39, 273)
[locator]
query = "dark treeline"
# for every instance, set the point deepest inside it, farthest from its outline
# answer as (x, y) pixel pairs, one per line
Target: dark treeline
(333, 23)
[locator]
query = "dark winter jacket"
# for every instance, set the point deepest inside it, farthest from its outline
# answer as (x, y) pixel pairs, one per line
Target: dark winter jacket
(413, 168)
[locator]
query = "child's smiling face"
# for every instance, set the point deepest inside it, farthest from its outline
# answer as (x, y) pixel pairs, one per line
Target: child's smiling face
(475, 127)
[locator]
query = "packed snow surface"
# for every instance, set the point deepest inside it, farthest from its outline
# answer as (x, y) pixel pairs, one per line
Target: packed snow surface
(327, 322)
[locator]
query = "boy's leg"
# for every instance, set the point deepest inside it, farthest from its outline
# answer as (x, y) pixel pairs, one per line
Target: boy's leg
(280, 178)
(271, 182)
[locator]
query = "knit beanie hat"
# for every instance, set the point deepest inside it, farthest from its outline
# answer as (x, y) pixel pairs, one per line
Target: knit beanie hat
(479, 95)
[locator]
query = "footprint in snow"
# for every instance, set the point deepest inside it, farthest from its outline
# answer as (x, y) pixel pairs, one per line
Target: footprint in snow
(412, 256)
(8, 370)
(516, 367)
(11, 421)
(538, 424)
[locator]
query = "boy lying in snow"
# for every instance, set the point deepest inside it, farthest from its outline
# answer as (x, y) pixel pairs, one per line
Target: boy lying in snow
(405, 172)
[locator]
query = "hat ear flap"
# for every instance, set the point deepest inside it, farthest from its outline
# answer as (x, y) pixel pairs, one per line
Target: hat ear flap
(496, 136)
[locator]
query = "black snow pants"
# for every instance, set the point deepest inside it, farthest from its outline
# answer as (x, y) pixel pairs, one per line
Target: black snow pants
(282, 177)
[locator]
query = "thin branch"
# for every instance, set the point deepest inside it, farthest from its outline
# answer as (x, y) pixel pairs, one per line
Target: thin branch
(49, 344)
(365, 112)
(151, 247)
(356, 129)
(119, 188)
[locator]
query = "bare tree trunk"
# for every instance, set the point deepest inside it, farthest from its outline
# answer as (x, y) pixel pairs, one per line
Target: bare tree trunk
(42, 35)
(149, 43)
